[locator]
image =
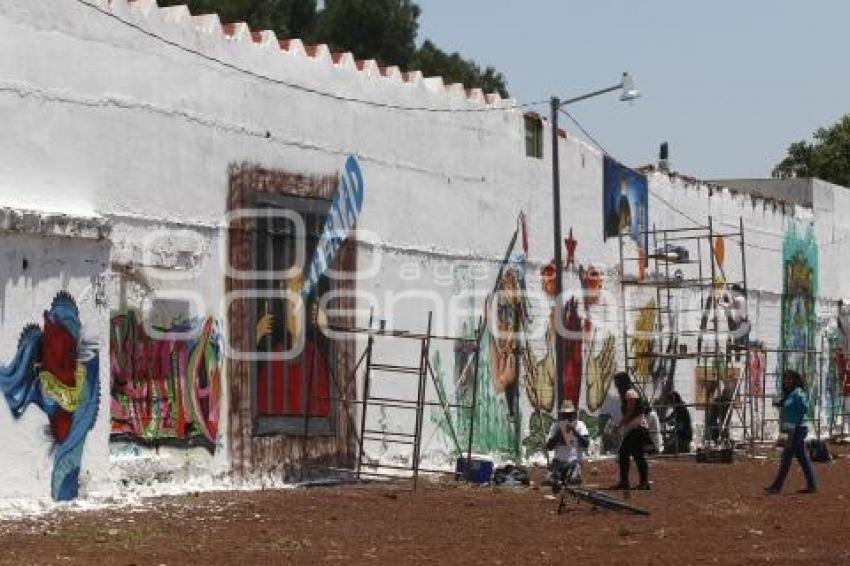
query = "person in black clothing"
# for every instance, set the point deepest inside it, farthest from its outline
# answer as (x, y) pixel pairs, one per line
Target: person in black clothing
(680, 421)
(718, 411)
(635, 430)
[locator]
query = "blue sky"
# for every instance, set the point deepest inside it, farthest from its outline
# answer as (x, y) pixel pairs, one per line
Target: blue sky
(728, 83)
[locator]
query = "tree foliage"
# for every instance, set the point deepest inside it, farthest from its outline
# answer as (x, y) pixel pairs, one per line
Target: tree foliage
(827, 158)
(432, 60)
(384, 30)
(288, 18)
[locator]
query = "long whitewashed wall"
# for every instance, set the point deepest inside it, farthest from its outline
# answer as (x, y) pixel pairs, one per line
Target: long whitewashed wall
(135, 115)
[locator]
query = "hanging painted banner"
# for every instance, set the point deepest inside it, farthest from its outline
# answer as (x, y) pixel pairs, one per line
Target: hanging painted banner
(625, 202)
(343, 213)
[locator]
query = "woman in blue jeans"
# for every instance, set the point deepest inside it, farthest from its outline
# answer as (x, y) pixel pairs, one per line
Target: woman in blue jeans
(794, 408)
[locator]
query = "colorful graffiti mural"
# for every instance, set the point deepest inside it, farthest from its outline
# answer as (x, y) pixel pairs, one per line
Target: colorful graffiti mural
(56, 371)
(165, 391)
(799, 292)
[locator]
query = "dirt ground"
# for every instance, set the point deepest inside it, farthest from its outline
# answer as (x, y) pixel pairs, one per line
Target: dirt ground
(700, 513)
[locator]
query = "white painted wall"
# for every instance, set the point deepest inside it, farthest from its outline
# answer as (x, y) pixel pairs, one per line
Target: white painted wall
(103, 116)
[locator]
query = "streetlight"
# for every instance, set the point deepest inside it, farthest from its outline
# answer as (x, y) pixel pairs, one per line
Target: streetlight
(629, 93)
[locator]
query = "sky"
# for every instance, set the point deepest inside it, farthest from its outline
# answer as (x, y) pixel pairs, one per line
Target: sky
(728, 83)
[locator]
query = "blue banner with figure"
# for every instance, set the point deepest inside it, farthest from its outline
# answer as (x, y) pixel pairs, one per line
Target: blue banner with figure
(625, 202)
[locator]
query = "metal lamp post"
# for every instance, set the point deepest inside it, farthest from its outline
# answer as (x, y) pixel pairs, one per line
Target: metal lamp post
(629, 93)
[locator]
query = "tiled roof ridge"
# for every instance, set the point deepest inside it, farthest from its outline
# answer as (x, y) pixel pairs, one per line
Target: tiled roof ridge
(211, 24)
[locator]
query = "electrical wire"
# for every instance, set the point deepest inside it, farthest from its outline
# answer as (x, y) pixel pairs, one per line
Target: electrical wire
(298, 87)
(585, 132)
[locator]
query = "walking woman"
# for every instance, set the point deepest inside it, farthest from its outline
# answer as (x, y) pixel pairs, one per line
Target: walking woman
(793, 411)
(634, 429)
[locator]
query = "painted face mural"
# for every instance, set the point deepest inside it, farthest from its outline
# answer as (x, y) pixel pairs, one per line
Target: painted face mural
(57, 372)
(510, 320)
(165, 390)
(800, 282)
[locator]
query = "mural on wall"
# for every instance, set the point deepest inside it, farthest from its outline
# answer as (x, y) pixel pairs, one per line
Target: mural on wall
(601, 366)
(272, 397)
(509, 365)
(643, 343)
(164, 390)
(495, 420)
(799, 292)
(625, 203)
(540, 375)
(570, 245)
(573, 360)
(591, 285)
(55, 370)
(510, 320)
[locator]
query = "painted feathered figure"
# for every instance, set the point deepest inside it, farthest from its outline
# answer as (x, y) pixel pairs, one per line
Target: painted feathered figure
(53, 370)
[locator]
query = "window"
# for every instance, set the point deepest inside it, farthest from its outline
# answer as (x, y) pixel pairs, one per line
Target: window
(286, 390)
(533, 136)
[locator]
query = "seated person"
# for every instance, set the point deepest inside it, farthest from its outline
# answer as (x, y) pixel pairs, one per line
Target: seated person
(680, 421)
(568, 437)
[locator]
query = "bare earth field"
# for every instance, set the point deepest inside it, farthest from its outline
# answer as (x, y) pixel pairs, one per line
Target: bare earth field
(700, 513)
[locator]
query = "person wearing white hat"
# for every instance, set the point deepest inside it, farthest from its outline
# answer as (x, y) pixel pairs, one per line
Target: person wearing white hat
(568, 437)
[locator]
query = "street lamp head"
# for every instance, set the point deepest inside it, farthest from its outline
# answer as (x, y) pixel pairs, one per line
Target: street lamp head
(630, 93)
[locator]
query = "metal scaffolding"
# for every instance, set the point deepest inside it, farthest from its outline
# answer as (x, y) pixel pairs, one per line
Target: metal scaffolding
(367, 466)
(688, 271)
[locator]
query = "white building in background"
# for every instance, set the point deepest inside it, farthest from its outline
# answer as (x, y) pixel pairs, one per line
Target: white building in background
(135, 138)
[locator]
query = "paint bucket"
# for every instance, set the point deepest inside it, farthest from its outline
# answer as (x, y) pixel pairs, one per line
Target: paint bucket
(480, 470)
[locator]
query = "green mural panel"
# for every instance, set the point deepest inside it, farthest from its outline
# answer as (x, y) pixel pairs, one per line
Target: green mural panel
(799, 294)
